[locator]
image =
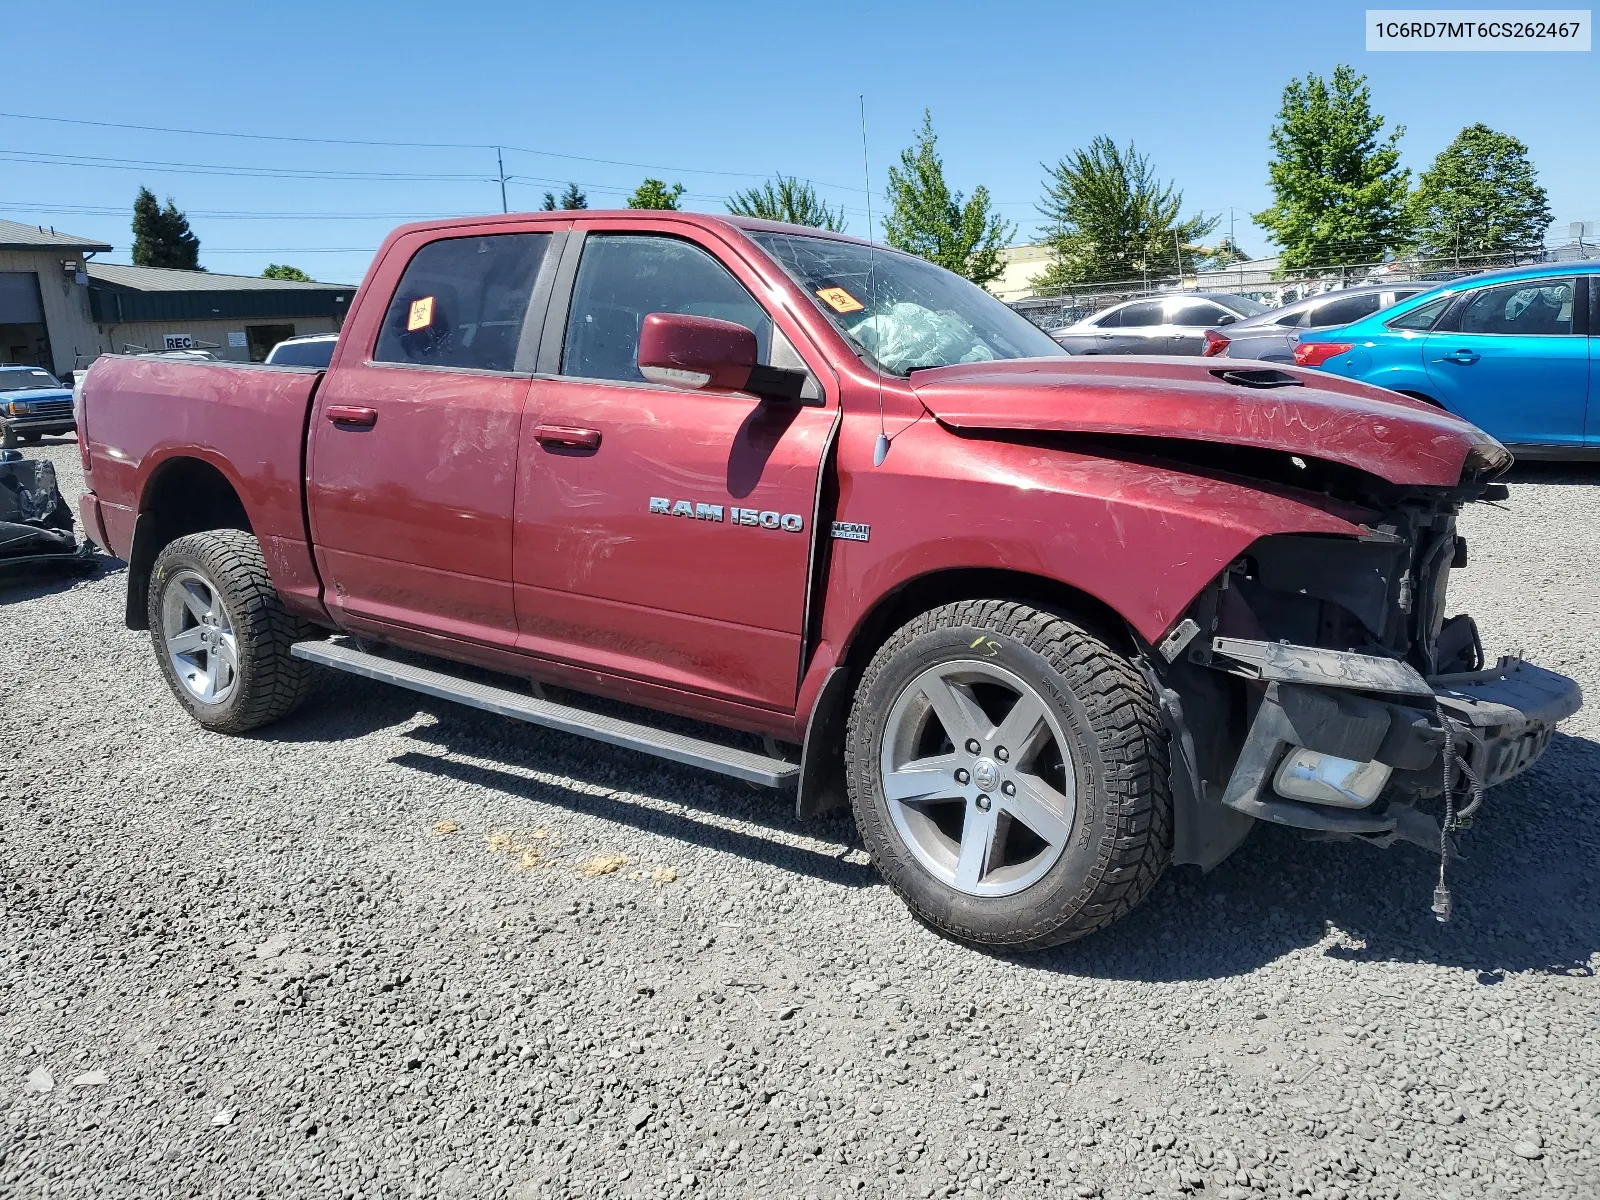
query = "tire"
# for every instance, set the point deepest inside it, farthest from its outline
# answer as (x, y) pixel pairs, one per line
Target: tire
(8, 438)
(1077, 819)
(221, 635)
(33, 439)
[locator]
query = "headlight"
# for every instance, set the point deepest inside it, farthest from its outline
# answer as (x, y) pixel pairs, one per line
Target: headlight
(20, 408)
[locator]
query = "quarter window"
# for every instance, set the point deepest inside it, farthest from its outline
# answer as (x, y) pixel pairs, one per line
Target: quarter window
(1424, 317)
(1110, 321)
(462, 302)
(623, 278)
(1542, 307)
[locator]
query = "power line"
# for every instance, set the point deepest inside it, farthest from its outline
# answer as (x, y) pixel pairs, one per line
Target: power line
(137, 164)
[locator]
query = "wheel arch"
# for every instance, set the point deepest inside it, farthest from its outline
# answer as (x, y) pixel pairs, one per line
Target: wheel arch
(182, 495)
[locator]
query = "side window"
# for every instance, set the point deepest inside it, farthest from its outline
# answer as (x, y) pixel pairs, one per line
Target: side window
(1146, 312)
(1198, 313)
(1424, 317)
(462, 302)
(1534, 307)
(1110, 321)
(623, 278)
(1345, 310)
(1295, 318)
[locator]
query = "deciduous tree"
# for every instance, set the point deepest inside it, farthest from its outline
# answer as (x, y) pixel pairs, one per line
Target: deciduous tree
(654, 193)
(1480, 197)
(1110, 217)
(787, 199)
(1339, 191)
(927, 218)
(161, 236)
(284, 271)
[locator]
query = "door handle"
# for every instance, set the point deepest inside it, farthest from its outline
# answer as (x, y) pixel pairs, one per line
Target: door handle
(1465, 357)
(352, 415)
(562, 435)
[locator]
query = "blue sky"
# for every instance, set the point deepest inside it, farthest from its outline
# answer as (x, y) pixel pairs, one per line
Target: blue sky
(715, 95)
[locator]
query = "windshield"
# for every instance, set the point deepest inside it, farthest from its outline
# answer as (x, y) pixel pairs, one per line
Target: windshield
(902, 313)
(23, 379)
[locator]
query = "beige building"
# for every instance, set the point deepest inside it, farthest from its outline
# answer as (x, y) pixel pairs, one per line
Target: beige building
(61, 310)
(1024, 264)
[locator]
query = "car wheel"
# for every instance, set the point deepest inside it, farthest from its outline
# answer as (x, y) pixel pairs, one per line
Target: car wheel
(221, 634)
(8, 438)
(1009, 775)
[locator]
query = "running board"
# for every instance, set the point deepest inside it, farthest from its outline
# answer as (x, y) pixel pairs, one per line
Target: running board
(520, 706)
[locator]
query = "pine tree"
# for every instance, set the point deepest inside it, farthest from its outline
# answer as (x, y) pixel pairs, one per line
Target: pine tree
(161, 236)
(654, 193)
(928, 219)
(1111, 218)
(1339, 193)
(787, 199)
(572, 198)
(1480, 197)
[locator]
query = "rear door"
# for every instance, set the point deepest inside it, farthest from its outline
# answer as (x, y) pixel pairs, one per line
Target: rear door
(1188, 320)
(1142, 330)
(1514, 362)
(413, 445)
(666, 534)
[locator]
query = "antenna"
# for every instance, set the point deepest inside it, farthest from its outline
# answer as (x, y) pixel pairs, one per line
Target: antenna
(880, 450)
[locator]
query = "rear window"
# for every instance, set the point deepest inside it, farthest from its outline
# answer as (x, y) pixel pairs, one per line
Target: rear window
(303, 354)
(462, 303)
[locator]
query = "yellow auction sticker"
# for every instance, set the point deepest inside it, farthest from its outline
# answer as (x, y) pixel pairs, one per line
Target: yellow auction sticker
(840, 300)
(421, 314)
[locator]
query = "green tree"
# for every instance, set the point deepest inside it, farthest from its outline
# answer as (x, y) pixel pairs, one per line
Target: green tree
(161, 236)
(1481, 196)
(284, 271)
(653, 193)
(789, 200)
(928, 219)
(1111, 218)
(1339, 192)
(573, 197)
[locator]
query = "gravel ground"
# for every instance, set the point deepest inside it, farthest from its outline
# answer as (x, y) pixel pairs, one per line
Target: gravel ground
(396, 948)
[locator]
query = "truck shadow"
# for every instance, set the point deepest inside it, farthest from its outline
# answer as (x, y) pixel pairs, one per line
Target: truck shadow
(1526, 896)
(18, 587)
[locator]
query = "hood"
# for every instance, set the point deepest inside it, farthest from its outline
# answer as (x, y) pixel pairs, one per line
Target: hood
(35, 394)
(1302, 412)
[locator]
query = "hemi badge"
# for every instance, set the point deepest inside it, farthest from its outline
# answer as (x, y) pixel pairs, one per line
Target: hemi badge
(850, 531)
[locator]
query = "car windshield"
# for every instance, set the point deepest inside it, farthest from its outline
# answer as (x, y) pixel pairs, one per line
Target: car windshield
(1242, 306)
(24, 379)
(900, 312)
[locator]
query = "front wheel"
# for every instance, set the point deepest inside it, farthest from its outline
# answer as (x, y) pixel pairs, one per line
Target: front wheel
(221, 634)
(1009, 775)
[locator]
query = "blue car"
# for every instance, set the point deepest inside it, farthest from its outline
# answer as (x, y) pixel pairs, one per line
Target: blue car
(33, 402)
(1515, 352)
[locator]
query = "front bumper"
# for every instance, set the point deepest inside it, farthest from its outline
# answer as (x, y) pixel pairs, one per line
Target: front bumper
(41, 425)
(1365, 709)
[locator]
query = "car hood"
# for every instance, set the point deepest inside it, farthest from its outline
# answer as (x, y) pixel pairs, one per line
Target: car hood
(36, 394)
(1322, 416)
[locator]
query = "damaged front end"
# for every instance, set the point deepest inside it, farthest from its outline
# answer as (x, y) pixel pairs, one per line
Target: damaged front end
(1317, 683)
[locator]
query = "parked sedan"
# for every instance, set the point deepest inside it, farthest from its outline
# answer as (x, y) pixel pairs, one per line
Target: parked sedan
(33, 402)
(1512, 351)
(1174, 324)
(1271, 337)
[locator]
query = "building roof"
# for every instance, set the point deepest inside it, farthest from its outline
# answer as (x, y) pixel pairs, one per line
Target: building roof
(16, 236)
(170, 279)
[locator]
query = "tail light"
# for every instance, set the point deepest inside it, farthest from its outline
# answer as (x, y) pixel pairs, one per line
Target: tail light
(78, 378)
(1314, 354)
(1215, 344)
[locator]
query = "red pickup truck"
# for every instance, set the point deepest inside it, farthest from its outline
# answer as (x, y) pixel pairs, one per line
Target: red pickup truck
(1047, 623)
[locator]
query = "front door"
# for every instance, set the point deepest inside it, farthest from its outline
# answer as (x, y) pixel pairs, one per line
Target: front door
(1514, 365)
(414, 441)
(665, 534)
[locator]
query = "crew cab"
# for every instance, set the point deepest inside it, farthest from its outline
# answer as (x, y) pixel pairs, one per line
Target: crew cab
(1047, 624)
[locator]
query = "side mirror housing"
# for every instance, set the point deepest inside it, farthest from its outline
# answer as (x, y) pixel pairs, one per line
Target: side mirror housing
(703, 353)
(1227, 319)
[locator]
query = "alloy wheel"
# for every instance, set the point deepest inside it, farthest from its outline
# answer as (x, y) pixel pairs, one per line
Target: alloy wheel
(199, 637)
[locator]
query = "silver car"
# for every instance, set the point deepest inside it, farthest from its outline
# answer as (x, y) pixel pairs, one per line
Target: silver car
(1172, 324)
(1271, 337)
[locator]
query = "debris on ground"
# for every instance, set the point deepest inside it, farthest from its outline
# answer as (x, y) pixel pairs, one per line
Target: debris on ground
(663, 875)
(446, 827)
(604, 864)
(40, 1081)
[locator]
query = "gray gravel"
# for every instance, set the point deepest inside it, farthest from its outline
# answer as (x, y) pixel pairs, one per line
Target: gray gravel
(358, 955)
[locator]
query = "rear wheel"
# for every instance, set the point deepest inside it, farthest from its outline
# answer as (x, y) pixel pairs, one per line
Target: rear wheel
(1009, 775)
(221, 635)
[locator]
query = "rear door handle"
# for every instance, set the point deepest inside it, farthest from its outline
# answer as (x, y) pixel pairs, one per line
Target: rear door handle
(1465, 357)
(562, 435)
(352, 415)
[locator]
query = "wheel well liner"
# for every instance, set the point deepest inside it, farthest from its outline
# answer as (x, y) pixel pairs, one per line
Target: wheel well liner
(183, 496)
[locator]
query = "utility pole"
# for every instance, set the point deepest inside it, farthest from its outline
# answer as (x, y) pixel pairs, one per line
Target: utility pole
(500, 161)
(1177, 247)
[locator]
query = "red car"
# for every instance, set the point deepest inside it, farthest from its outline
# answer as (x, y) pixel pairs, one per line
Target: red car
(1048, 624)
